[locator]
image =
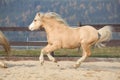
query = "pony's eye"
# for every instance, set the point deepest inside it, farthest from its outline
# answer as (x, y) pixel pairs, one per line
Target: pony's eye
(35, 20)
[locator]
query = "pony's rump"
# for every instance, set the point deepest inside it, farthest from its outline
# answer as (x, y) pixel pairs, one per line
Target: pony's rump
(4, 42)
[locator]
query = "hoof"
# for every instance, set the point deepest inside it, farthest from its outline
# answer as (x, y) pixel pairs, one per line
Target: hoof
(55, 61)
(76, 66)
(42, 62)
(3, 65)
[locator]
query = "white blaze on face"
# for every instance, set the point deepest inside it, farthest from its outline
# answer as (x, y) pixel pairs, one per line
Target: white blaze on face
(31, 27)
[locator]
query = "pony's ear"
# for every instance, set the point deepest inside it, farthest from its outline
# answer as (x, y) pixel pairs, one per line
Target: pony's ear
(40, 14)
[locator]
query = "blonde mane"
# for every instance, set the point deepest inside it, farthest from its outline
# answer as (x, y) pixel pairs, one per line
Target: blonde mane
(56, 16)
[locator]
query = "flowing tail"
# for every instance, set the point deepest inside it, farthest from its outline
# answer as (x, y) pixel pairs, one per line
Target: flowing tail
(4, 42)
(105, 34)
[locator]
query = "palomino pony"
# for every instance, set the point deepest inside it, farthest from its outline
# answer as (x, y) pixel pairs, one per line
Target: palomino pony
(4, 42)
(60, 35)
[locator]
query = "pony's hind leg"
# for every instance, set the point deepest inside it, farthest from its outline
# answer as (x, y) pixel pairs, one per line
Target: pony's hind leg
(86, 52)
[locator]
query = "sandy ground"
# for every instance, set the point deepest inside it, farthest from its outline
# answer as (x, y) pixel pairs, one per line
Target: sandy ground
(32, 70)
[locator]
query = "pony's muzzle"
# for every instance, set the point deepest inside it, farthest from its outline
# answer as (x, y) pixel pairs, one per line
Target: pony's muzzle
(30, 28)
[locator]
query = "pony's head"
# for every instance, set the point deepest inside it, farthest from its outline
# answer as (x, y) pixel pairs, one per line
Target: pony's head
(41, 18)
(37, 22)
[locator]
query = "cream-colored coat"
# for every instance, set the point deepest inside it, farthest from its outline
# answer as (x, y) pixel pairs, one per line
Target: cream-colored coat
(60, 35)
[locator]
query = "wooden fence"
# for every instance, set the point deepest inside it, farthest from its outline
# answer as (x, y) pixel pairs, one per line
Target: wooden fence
(21, 43)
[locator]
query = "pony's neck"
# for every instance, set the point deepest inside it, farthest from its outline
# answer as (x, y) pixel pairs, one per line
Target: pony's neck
(51, 26)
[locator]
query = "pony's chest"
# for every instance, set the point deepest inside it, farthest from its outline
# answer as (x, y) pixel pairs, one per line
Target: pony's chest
(53, 38)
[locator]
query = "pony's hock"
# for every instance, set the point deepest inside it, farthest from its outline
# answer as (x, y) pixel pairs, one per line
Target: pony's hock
(60, 35)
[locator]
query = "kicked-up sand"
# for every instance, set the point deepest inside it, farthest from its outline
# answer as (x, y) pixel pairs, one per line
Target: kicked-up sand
(63, 70)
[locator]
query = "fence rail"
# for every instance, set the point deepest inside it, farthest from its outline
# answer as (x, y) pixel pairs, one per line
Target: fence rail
(20, 43)
(97, 26)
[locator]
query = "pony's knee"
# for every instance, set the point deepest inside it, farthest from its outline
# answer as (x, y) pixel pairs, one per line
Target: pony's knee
(43, 51)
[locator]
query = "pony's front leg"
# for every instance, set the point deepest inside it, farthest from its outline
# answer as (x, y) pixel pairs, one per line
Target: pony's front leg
(43, 51)
(51, 58)
(41, 58)
(47, 50)
(86, 52)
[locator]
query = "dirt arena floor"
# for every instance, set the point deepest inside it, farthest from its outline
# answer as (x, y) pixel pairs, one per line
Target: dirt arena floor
(32, 70)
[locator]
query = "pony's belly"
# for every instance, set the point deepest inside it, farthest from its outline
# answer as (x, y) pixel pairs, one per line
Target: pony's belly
(71, 46)
(71, 42)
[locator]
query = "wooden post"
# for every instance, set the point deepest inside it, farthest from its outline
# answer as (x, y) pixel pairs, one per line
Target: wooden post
(79, 25)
